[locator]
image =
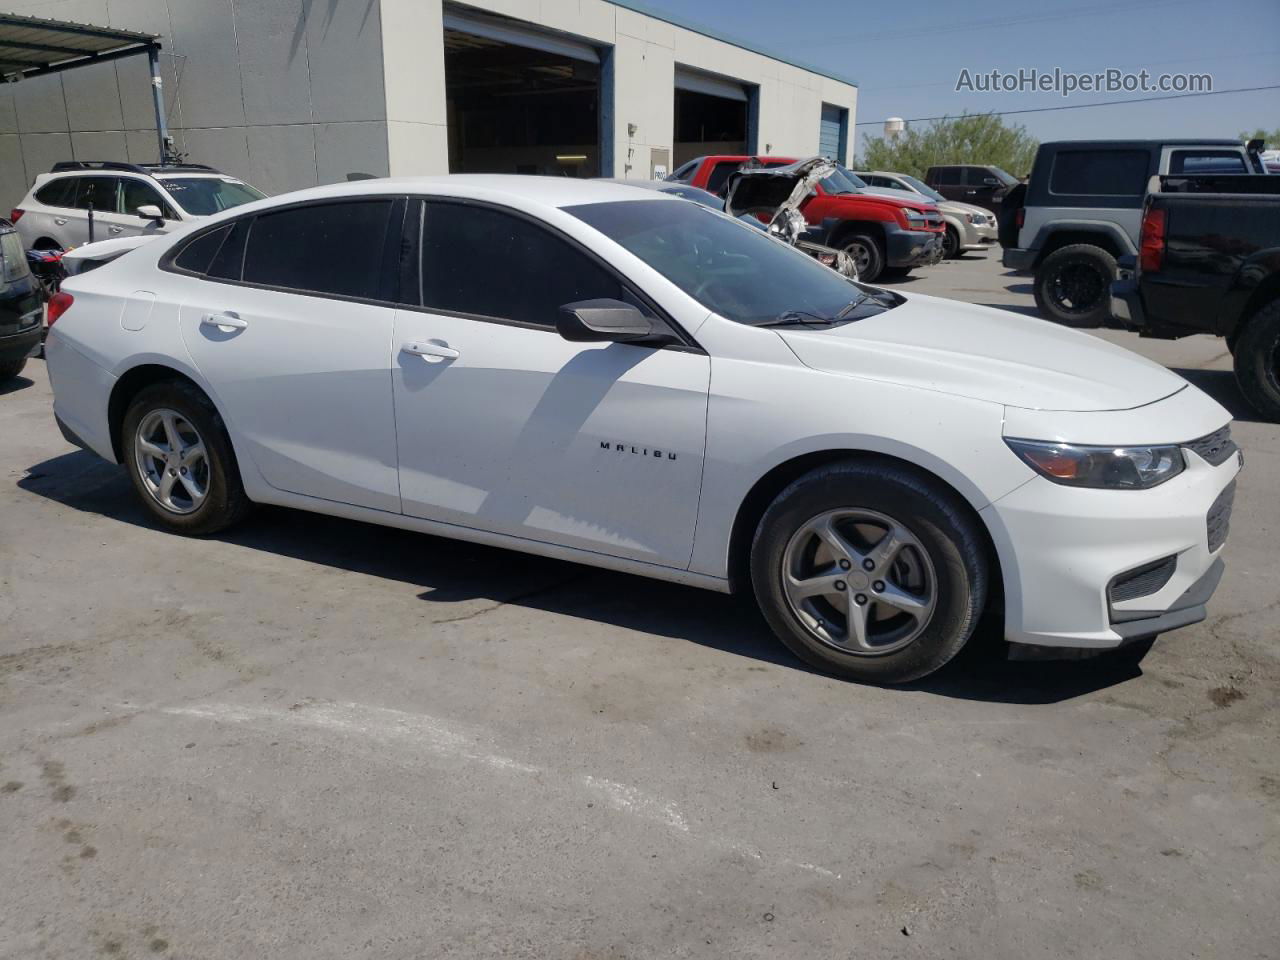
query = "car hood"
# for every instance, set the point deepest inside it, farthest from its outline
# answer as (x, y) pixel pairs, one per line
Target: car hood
(956, 207)
(985, 354)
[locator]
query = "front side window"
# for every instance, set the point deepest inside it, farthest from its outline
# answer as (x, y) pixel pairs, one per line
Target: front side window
(139, 193)
(740, 273)
(326, 248)
(1110, 173)
(205, 196)
(487, 263)
(99, 193)
(921, 187)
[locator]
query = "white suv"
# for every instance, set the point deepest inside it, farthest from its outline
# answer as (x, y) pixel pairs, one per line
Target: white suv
(127, 199)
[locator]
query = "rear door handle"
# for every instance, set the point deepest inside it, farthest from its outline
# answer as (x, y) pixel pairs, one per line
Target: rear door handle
(114, 229)
(223, 321)
(432, 351)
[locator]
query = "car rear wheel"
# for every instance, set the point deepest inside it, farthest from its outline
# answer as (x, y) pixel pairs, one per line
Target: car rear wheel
(180, 460)
(866, 253)
(1257, 361)
(870, 571)
(1073, 285)
(11, 368)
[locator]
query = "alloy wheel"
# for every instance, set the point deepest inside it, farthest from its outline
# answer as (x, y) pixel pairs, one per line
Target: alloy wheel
(1077, 287)
(861, 257)
(172, 461)
(859, 581)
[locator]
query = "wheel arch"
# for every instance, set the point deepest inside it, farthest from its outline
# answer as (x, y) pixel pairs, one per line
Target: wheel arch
(132, 382)
(1259, 298)
(1106, 236)
(773, 482)
(845, 228)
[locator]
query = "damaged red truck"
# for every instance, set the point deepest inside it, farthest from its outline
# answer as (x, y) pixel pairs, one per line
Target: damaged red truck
(886, 236)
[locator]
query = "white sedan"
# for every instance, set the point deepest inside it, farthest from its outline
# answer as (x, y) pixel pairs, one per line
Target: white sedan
(604, 374)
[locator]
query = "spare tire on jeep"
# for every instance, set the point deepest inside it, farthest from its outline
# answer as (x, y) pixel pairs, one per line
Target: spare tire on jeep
(1073, 285)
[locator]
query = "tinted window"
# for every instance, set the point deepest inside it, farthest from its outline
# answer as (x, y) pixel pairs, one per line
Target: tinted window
(198, 253)
(685, 173)
(59, 193)
(1109, 173)
(720, 175)
(229, 260)
(98, 191)
(1206, 161)
(139, 193)
(484, 262)
(333, 248)
(13, 259)
(948, 176)
(742, 274)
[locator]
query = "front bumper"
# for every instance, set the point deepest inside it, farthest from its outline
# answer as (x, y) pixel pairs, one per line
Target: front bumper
(912, 248)
(979, 237)
(1015, 258)
(1064, 550)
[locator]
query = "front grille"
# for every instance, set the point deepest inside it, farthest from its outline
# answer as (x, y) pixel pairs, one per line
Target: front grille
(1218, 520)
(1216, 448)
(1142, 581)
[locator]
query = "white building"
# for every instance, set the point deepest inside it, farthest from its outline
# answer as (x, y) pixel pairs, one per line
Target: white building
(291, 93)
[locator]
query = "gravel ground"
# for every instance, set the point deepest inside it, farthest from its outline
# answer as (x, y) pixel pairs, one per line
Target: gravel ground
(310, 738)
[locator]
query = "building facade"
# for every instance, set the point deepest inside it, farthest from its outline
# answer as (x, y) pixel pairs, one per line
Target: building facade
(291, 93)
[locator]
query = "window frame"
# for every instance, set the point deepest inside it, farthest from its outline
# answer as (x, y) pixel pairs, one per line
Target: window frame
(412, 240)
(394, 230)
(88, 178)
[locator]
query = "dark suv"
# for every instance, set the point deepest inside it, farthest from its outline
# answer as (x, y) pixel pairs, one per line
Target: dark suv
(980, 184)
(20, 305)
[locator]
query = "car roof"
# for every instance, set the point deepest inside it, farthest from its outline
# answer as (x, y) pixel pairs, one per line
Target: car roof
(1143, 144)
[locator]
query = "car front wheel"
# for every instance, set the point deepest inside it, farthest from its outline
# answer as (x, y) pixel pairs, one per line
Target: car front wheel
(180, 460)
(867, 255)
(870, 570)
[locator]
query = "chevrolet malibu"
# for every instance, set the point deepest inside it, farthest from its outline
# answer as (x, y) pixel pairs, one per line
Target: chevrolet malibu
(608, 375)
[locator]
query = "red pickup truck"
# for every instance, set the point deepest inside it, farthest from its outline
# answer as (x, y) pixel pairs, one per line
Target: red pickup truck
(886, 236)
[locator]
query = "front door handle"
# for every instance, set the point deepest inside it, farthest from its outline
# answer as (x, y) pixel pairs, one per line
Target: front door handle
(432, 351)
(114, 229)
(60, 221)
(223, 321)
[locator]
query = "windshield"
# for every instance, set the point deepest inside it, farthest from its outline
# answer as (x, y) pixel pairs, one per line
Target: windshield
(742, 274)
(204, 196)
(841, 181)
(921, 187)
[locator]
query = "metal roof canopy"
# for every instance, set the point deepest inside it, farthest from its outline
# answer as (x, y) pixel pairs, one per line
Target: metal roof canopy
(34, 47)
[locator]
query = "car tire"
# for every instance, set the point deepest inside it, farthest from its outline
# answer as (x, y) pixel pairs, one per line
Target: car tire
(200, 474)
(11, 368)
(950, 244)
(940, 566)
(1073, 285)
(867, 253)
(1257, 361)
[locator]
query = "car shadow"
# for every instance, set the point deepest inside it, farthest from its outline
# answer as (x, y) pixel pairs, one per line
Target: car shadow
(1222, 386)
(1026, 289)
(448, 572)
(1024, 309)
(15, 384)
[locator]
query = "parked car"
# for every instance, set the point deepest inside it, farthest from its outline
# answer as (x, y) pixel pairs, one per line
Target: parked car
(1209, 262)
(20, 305)
(886, 236)
(656, 388)
(1082, 208)
(827, 256)
(127, 199)
(969, 227)
(982, 185)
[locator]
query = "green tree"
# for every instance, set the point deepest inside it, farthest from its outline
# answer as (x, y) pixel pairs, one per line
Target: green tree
(1271, 136)
(969, 138)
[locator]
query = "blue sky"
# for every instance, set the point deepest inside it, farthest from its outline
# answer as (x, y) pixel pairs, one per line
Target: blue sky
(906, 56)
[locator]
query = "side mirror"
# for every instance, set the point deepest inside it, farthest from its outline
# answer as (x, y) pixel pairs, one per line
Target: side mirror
(608, 321)
(149, 211)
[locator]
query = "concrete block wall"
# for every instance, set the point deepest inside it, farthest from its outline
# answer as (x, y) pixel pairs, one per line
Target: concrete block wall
(283, 93)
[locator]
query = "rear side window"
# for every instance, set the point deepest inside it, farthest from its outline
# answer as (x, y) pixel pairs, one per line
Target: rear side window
(947, 176)
(331, 248)
(59, 193)
(98, 192)
(198, 253)
(1206, 161)
(1101, 173)
(487, 263)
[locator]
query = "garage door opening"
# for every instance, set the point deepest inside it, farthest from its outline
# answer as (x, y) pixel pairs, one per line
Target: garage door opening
(515, 108)
(712, 114)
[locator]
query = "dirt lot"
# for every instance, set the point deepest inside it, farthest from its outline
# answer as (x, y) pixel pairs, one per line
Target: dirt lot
(315, 739)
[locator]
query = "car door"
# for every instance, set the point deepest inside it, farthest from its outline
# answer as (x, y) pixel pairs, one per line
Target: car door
(502, 425)
(288, 317)
(99, 193)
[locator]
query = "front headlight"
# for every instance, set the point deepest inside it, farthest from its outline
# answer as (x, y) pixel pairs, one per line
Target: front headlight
(914, 218)
(1116, 468)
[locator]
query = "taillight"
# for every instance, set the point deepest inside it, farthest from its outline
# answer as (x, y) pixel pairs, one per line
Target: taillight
(1021, 217)
(1151, 248)
(58, 305)
(16, 214)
